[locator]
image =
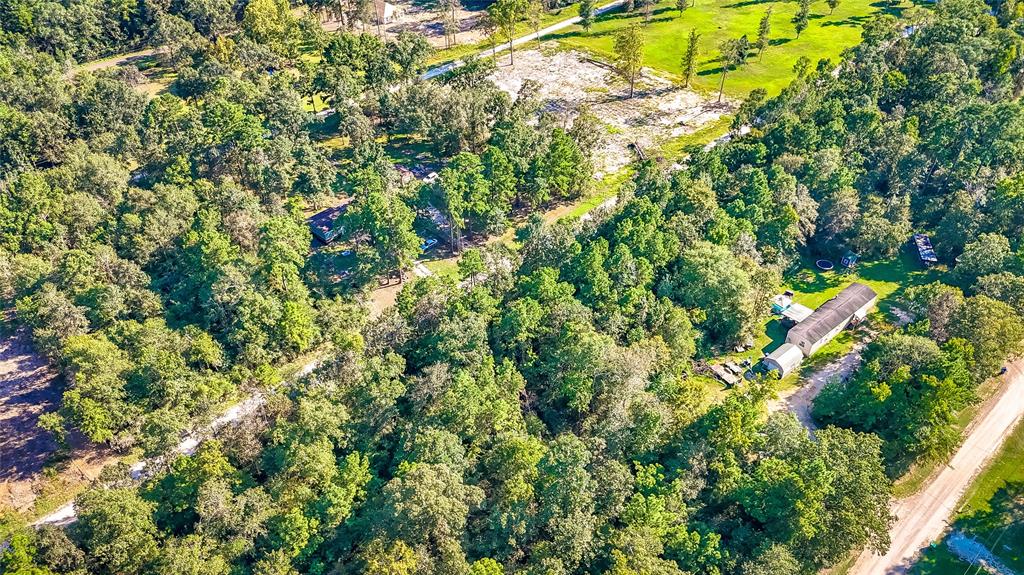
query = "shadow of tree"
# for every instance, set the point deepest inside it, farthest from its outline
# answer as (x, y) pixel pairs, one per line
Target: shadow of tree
(776, 333)
(1001, 527)
(745, 3)
(857, 21)
(813, 281)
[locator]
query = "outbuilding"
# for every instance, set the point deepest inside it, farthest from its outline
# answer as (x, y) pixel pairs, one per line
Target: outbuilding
(326, 225)
(795, 314)
(784, 360)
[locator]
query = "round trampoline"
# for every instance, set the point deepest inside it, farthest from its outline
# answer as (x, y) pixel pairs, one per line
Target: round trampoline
(825, 265)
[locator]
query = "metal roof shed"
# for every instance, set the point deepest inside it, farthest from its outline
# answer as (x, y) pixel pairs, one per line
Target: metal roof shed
(785, 359)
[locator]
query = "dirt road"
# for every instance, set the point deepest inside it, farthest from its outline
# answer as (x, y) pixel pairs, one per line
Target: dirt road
(113, 61)
(66, 513)
(923, 517)
(800, 401)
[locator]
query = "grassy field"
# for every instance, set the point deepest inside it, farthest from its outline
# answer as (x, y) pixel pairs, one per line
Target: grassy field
(718, 20)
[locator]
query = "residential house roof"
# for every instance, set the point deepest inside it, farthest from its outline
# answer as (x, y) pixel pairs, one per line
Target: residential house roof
(833, 313)
(324, 224)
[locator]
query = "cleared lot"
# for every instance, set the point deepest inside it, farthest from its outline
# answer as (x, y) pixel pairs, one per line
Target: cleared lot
(568, 80)
(29, 387)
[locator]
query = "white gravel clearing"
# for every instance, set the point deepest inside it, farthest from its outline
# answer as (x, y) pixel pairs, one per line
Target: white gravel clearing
(568, 79)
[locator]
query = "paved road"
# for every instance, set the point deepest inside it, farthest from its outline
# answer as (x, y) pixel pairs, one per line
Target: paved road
(922, 518)
(444, 68)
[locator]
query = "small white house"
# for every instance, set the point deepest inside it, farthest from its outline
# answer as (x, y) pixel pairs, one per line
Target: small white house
(785, 359)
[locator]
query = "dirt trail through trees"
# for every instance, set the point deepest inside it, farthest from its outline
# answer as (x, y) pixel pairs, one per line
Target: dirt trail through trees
(924, 516)
(800, 401)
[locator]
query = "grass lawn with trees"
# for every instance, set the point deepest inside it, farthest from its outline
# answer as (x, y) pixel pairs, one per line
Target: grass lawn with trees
(826, 36)
(813, 287)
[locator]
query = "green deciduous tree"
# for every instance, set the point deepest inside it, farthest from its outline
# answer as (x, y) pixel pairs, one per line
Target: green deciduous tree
(506, 14)
(993, 329)
(117, 530)
(988, 254)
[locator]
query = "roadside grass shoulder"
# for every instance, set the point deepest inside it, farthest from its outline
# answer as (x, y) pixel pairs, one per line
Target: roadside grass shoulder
(939, 560)
(992, 510)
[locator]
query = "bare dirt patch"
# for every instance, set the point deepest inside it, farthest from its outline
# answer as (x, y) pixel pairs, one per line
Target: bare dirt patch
(659, 111)
(413, 17)
(30, 387)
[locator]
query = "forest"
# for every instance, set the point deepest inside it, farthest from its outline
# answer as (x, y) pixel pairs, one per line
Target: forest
(542, 413)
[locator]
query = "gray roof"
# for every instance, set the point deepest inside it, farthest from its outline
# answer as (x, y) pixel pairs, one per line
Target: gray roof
(833, 312)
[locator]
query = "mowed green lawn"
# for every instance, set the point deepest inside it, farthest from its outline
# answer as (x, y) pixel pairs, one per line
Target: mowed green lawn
(812, 287)
(718, 20)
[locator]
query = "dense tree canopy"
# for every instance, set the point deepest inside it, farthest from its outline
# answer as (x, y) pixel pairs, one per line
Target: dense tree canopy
(544, 415)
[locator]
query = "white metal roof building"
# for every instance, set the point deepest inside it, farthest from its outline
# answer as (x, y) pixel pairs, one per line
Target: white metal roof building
(785, 359)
